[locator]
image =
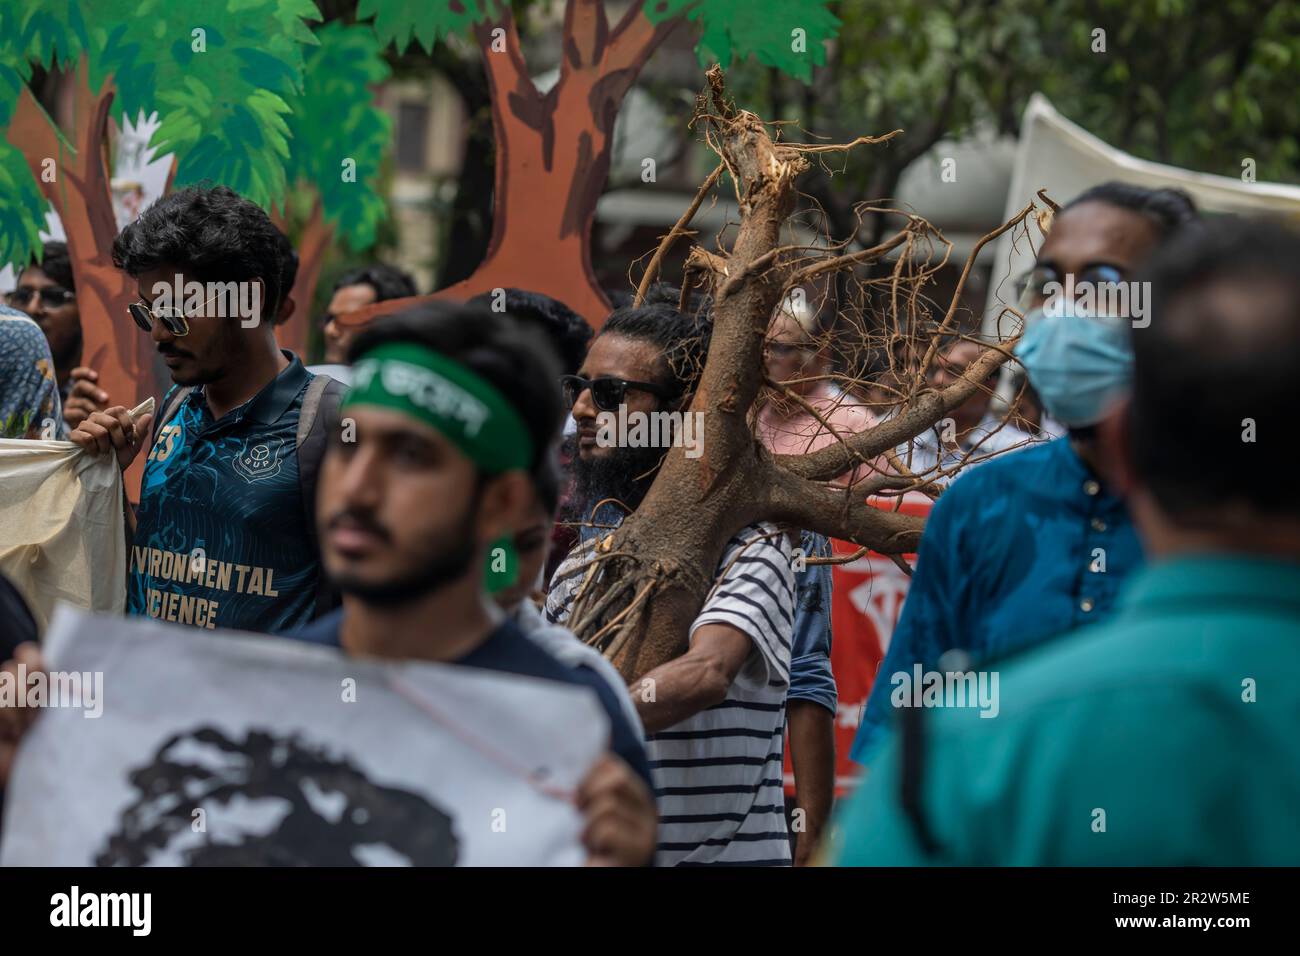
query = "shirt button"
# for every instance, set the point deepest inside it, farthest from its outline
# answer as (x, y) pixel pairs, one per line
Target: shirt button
(1091, 488)
(1086, 605)
(1098, 524)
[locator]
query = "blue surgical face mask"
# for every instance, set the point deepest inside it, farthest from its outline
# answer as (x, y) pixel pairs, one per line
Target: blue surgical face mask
(1079, 365)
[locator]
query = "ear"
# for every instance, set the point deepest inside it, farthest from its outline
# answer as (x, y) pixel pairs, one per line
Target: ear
(505, 504)
(286, 310)
(269, 320)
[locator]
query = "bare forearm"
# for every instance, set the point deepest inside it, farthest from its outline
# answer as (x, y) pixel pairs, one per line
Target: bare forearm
(677, 690)
(812, 756)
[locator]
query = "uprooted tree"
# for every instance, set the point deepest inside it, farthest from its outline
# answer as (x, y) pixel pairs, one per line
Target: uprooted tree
(647, 580)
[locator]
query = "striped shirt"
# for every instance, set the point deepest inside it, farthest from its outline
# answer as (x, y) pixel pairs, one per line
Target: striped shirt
(717, 774)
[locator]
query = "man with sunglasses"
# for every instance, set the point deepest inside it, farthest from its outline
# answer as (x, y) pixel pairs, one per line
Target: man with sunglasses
(224, 535)
(797, 356)
(1037, 543)
(715, 721)
(972, 433)
(46, 291)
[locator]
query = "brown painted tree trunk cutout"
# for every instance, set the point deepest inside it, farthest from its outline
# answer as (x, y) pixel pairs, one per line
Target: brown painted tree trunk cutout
(553, 157)
(315, 240)
(81, 195)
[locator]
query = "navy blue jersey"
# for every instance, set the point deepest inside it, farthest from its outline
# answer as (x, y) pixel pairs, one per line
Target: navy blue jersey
(222, 536)
(509, 650)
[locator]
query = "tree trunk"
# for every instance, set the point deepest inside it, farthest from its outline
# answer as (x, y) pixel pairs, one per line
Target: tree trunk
(316, 237)
(552, 157)
(82, 197)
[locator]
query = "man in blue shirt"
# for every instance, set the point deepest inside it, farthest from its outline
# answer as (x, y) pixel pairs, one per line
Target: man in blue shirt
(812, 700)
(452, 411)
(1166, 735)
(1033, 543)
(223, 536)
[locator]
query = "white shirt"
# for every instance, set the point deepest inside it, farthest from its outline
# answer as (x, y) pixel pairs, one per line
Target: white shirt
(990, 437)
(561, 643)
(718, 774)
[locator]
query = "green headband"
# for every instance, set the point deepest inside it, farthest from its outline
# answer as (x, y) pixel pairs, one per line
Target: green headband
(470, 412)
(440, 392)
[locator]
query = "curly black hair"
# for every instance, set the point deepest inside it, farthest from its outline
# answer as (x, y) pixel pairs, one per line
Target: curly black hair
(212, 233)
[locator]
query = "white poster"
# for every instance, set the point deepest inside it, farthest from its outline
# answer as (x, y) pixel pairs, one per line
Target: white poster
(196, 748)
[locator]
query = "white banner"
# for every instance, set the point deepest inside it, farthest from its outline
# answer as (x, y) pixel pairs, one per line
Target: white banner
(1065, 159)
(61, 526)
(218, 748)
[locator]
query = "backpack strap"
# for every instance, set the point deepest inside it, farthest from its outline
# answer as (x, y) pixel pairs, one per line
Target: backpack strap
(318, 416)
(172, 402)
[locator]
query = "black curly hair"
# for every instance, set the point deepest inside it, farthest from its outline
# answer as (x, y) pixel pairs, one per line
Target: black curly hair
(1169, 209)
(211, 232)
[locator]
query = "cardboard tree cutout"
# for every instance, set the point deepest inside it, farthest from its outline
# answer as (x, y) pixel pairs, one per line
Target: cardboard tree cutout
(553, 149)
(338, 140)
(233, 82)
(219, 72)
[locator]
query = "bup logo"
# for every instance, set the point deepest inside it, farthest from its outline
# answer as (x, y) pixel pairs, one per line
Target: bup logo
(260, 459)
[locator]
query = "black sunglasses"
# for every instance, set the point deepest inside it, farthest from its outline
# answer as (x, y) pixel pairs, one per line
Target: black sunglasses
(607, 393)
(52, 295)
(1034, 281)
(172, 319)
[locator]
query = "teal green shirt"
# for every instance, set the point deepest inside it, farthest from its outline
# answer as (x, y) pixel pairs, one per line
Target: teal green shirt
(1169, 735)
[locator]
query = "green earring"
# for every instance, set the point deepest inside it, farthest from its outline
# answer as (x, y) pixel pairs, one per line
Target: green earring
(502, 569)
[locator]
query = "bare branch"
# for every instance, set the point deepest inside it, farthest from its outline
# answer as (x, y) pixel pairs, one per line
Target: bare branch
(930, 406)
(852, 259)
(828, 510)
(652, 270)
(937, 339)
